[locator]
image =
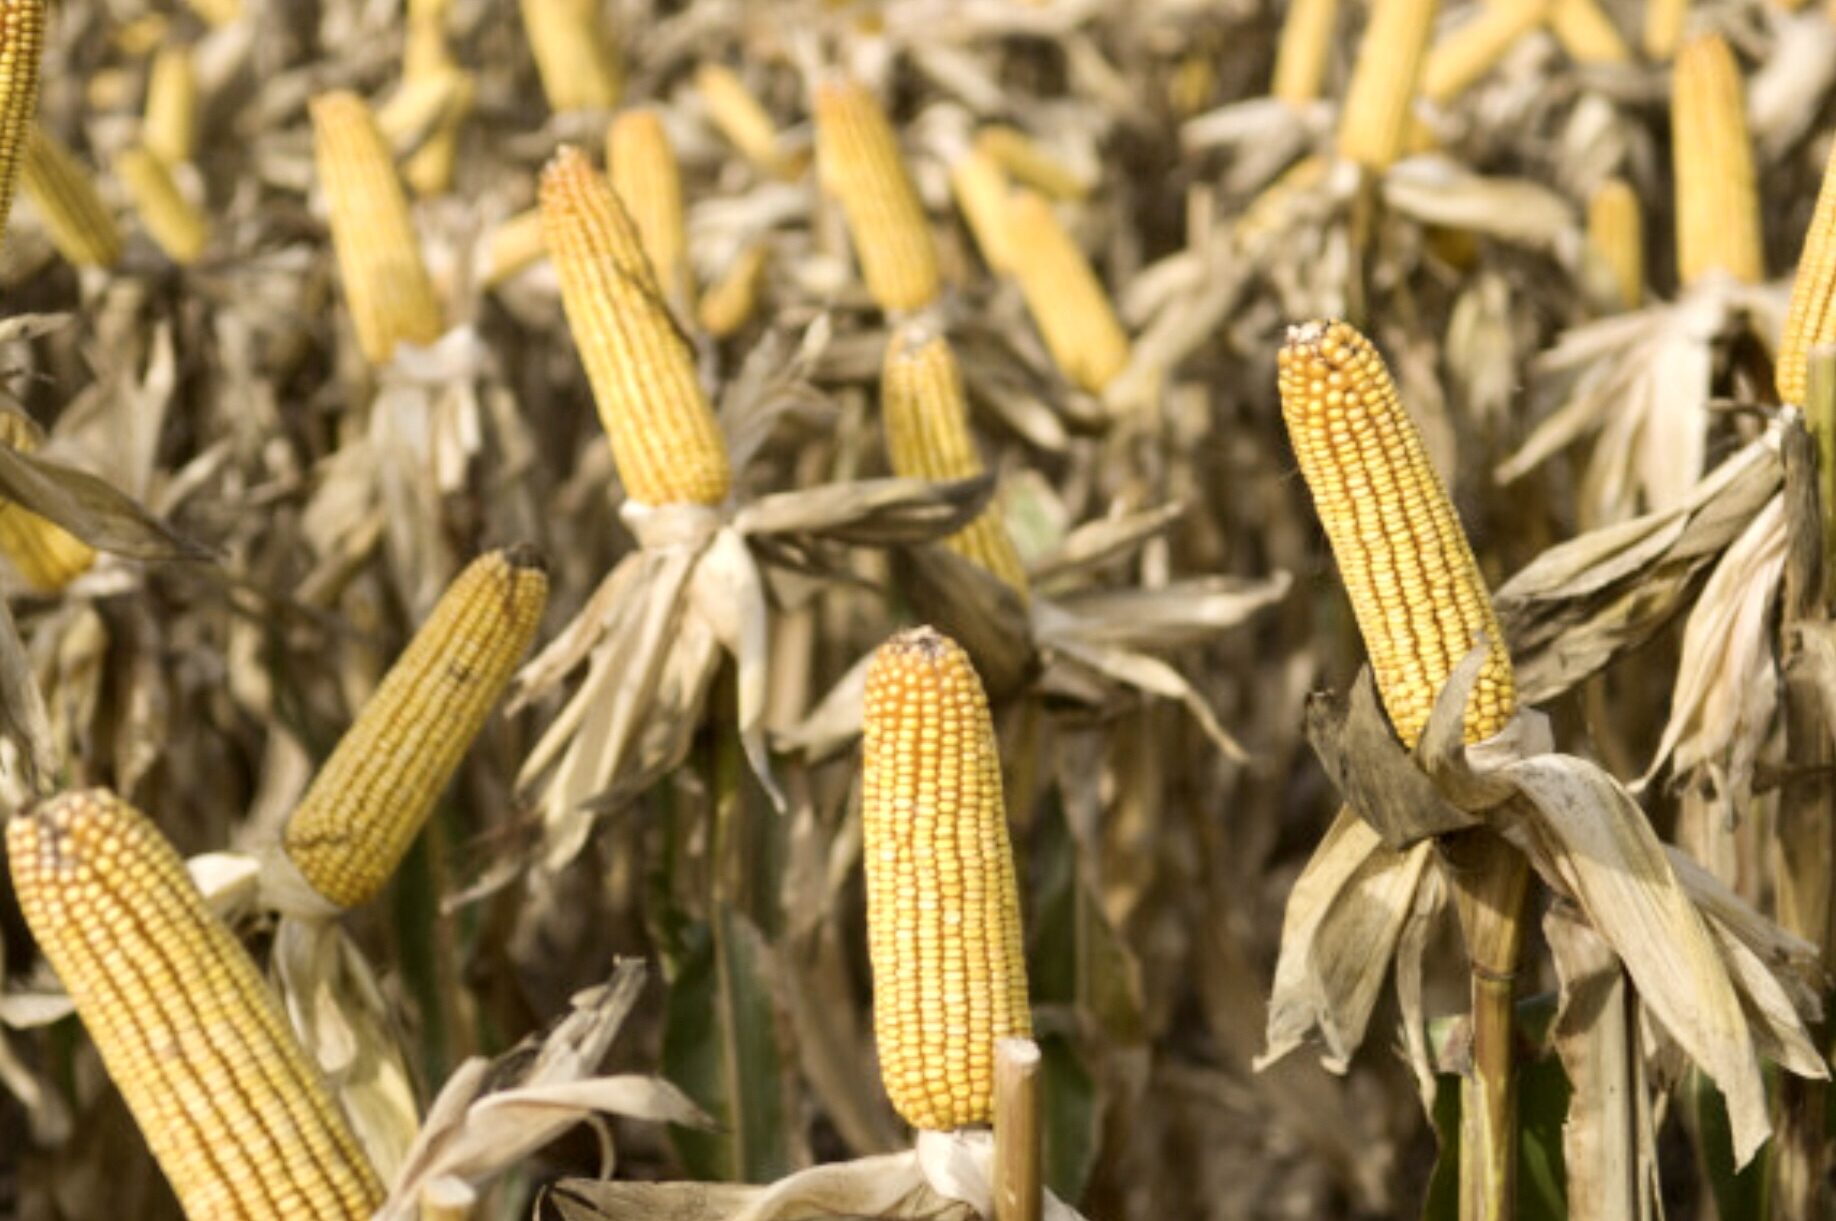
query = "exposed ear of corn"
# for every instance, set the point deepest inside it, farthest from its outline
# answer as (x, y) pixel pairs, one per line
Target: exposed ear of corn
(1712, 161)
(80, 224)
(22, 35)
(425, 58)
(1616, 238)
(858, 159)
(45, 554)
(1458, 61)
(238, 1118)
(1026, 162)
(981, 188)
(1810, 322)
(216, 13)
(740, 117)
(665, 440)
(369, 801)
(574, 53)
(1664, 22)
(513, 244)
(179, 228)
(943, 909)
(731, 300)
(386, 286)
(1063, 294)
(644, 173)
(1587, 32)
(1407, 566)
(926, 418)
(169, 129)
(1304, 49)
(1374, 120)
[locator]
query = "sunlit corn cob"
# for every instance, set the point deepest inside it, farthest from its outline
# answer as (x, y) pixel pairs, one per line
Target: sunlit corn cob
(80, 224)
(1027, 162)
(858, 158)
(1374, 119)
(178, 227)
(1616, 238)
(1304, 49)
(426, 59)
(1810, 322)
(665, 440)
(216, 12)
(644, 173)
(513, 244)
(424, 47)
(377, 789)
(45, 554)
(981, 188)
(1457, 62)
(237, 1116)
(1664, 22)
(943, 909)
(22, 33)
(170, 126)
(379, 255)
(731, 300)
(1063, 294)
(1718, 223)
(740, 117)
(1407, 566)
(1587, 33)
(926, 418)
(575, 55)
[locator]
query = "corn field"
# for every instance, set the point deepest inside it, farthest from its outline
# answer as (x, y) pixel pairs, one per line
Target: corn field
(933, 609)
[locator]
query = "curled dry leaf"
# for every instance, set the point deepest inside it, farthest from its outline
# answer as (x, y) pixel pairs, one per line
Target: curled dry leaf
(92, 509)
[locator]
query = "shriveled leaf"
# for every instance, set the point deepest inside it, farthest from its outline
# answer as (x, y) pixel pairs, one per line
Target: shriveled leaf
(99, 514)
(1099, 542)
(872, 512)
(1438, 191)
(973, 607)
(1168, 616)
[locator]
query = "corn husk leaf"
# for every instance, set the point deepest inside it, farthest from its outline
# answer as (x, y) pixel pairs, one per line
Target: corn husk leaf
(1433, 190)
(871, 512)
(92, 509)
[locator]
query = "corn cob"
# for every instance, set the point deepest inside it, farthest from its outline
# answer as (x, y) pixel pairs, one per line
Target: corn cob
(927, 437)
(648, 182)
(943, 909)
(1615, 237)
(739, 116)
(1063, 294)
(216, 13)
(1457, 62)
(22, 33)
(1028, 163)
(1718, 226)
(981, 189)
(1664, 22)
(1810, 321)
(376, 790)
(1587, 33)
(80, 224)
(1414, 585)
(1304, 50)
(426, 59)
(1374, 120)
(858, 159)
(237, 1116)
(731, 300)
(45, 554)
(379, 256)
(576, 59)
(665, 441)
(178, 227)
(513, 244)
(169, 128)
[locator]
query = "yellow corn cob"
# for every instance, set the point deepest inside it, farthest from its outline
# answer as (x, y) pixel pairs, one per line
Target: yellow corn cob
(731, 300)
(1305, 47)
(1414, 585)
(981, 189)
(574, 54)
(943, 910)
(379, 255)
(170, 126)
(513, 245)
(424, 47)
(1026, 162)
(376, 790)
(1587, 33)
(1810, 322)
(1375, 117)
(237, 1116)
(1718, 224)
(216, 12)
(426, 60)
(858, 159)
(1458, 61)
(644, 173)
(79, 222)
(739, 116)
(179, 228)
(927, 437)
(665, 441)
(45, 554)
(1664, 22)
(1063, 294)
(22, 33)
(1616, 237)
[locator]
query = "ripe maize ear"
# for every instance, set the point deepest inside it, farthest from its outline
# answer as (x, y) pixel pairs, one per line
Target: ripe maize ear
(515, 243)
(235, 1113)
(178, 227)
(1459, 60)
(574, 54)
(1063, 294)
(369, 801)
(1305, 47)
(1810, 321)
(926, 418)
(425, 58)
(1028, 163)
(47, 556)
(80, 224)
(1664, 22)
(1587, 33)
(731, 300)
(169, 129)
(648, 181)
(665, 440)
(739, 116)
(1406, 563)
(943, 908)
(1616, 238)
(22, 35)
(386, 285)
(1718, 223)
(857, 156)
(980, 187)
(1375, 119)
(216, 13)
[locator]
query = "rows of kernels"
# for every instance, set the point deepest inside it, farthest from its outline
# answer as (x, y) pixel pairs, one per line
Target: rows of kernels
(1616, 237)
(375, 792)
(1374, 119)
(80, 224)
(237, 1117)
(1718, 225)
(1811, 320)
(665, 440)
(45, 554)
(644, 173)
(22, 33)
(1066, 300)
(860, 164)
(575, 55)
(178, 227)
(1414, 585)
(943, 909)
